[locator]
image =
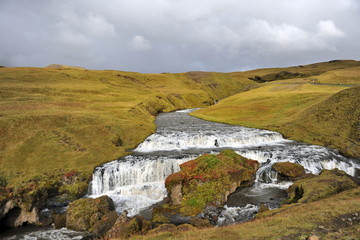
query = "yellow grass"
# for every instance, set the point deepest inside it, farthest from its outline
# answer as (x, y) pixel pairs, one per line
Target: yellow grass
(73, 118)
(270, 105)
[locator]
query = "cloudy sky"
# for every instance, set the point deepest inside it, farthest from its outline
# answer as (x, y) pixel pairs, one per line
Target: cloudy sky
(177, 35)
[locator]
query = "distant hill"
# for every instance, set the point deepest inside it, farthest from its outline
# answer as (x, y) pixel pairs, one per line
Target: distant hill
(301, 106)
(62, 66)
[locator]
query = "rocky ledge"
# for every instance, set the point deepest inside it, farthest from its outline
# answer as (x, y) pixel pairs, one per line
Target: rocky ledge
(35, 201)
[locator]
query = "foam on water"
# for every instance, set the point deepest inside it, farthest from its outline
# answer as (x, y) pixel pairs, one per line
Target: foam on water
(46, 234)
(231, 215)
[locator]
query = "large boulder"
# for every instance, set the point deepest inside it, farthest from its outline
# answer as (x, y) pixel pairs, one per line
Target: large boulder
(207, 181)
(315, 187)
(288, 170)
(96, 216)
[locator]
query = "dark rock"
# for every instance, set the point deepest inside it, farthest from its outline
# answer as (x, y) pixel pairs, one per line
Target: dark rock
(123, 230)
(178, 219)
(59, 220)
(93, 215)
(104, 224)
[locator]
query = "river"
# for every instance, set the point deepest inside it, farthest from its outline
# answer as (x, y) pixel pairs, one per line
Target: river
(136, 182)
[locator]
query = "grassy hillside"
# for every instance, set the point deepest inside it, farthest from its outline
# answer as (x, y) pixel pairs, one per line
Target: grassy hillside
(334, 122)
(73, 118)
(300, 108)
(63, 117)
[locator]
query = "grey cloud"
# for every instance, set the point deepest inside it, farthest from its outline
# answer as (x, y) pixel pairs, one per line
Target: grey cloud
(177, 35)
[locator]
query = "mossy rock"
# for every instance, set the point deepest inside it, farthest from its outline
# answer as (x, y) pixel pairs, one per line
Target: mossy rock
(160, 216)
(94, 215)
(124, 230)
(208, 180)
(288, 170)
(315, 187)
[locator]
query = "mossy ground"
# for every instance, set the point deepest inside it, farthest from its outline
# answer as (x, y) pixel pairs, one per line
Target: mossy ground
(314, 187)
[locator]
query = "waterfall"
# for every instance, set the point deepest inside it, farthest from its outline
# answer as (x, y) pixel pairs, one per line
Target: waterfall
(136, 182)
(312, 158)
(133, 171)
(169, 141)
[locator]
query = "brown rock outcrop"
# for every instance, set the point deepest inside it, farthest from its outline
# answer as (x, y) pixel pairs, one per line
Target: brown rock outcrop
(94, 215)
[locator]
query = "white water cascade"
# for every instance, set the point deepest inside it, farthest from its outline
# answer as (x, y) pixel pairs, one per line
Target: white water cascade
(136, 182)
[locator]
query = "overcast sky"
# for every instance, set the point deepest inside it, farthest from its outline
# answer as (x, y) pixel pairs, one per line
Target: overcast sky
(177, 35)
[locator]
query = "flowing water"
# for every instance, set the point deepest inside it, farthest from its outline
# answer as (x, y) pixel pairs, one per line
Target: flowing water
(136, 182)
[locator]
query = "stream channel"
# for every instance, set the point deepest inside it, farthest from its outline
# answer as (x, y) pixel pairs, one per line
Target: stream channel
(136, 182)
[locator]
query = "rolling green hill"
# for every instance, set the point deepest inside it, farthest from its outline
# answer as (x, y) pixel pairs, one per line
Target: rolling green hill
(73, 118)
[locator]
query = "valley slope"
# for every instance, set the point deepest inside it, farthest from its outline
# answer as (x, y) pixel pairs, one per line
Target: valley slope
(322, 109)
(72, 118)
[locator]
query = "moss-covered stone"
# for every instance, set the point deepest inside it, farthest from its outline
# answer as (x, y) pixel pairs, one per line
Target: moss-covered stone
(289, 170)
(314, 187)
(93, 215)
(208, 180)
(133, 226)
